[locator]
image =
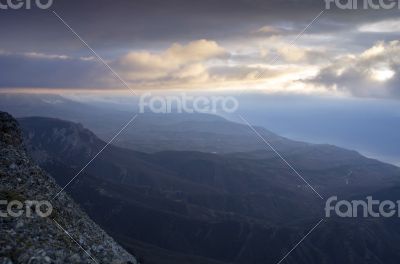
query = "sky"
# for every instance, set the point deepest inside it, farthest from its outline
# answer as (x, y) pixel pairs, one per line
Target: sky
(323, 75)
(250, 45)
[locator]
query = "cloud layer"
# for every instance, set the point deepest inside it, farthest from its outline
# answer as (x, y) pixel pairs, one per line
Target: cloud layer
(373, 73)
(209, 44)
(50, 71)
(177, 62)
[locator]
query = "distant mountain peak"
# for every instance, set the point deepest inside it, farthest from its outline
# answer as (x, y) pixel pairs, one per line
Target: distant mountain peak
(65, 137)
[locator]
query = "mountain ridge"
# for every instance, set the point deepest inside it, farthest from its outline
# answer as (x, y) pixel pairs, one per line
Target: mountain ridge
(44, 240)
(230, 208)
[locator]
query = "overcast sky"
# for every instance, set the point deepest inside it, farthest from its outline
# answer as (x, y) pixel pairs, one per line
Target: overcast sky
(198, 45)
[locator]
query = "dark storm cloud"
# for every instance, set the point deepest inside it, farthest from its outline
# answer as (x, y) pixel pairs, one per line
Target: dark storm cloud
(148, 28)
(125, 24)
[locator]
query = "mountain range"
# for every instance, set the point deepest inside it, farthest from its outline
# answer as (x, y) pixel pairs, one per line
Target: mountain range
(225, 207)
(368, 126)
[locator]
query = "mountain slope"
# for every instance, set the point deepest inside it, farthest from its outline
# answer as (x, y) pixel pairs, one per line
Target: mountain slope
(42, 240)
(232, 208)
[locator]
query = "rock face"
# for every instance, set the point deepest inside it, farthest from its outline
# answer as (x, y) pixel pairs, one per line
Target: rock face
(66, 236)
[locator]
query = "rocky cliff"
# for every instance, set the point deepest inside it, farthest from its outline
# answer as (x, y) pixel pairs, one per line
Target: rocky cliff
(66, 236)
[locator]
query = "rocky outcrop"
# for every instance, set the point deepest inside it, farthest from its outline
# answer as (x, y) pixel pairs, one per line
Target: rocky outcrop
(66, 236)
